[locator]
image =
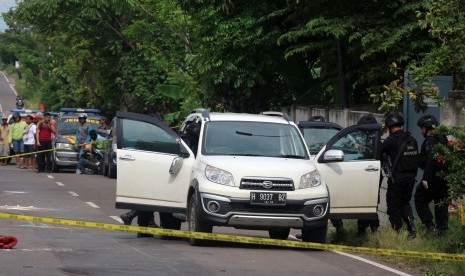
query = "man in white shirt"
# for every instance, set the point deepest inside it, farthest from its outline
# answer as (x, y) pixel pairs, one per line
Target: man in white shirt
(29, 141)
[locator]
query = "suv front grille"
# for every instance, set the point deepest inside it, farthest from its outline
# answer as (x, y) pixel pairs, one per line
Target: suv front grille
(268, 184)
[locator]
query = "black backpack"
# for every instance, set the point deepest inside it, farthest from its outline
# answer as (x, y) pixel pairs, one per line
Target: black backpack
(407, 160)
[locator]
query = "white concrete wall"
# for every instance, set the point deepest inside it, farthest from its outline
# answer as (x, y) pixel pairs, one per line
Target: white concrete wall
(342, 117)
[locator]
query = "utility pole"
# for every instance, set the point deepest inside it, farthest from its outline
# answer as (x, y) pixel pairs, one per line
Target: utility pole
(344, 95)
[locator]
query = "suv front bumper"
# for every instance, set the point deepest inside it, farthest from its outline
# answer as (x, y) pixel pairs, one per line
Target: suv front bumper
(224, 211)
(65, 158)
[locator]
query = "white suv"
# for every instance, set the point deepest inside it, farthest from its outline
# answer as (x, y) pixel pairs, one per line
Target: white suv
(249, 171)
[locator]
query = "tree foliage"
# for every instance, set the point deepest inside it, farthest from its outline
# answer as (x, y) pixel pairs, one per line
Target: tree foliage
(235, 55)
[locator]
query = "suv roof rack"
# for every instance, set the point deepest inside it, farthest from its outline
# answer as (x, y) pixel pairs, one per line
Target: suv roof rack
(276, 114)
(65, 110)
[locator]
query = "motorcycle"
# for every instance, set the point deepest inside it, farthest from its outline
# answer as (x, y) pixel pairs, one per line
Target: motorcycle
(92, 162)
(20, 103)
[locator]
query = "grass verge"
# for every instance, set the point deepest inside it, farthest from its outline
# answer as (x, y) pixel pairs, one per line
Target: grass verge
(452, 242)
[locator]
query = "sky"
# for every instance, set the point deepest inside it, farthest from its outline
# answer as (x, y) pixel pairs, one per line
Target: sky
(5, 5)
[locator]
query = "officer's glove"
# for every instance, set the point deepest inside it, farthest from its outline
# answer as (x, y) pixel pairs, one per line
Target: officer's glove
(425, 184)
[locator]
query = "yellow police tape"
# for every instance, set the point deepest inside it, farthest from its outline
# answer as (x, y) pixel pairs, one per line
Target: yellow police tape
(234, 238)
(47, 150)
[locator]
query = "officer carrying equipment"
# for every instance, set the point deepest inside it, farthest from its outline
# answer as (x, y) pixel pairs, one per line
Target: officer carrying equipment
(433, 188)
(401, 151)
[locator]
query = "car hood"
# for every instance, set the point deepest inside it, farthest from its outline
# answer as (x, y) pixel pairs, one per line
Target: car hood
(66, 139)
(246, 166)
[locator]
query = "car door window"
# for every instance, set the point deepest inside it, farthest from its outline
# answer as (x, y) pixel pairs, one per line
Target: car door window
(357, 145)
(144, 136)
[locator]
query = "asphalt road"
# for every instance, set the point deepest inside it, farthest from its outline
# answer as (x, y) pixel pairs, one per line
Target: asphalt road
(7, 95)
(62, 250)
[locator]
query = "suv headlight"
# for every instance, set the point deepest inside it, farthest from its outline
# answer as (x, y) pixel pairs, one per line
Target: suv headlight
(311, 179)
(63, 146)
(219, 176)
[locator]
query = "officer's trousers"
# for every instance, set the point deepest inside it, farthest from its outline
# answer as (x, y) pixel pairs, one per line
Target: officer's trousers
(437, 192)
(398, 198)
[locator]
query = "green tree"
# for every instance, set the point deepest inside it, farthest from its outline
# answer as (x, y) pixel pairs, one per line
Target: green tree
(109, 54)
(350, 45)
(236, 57)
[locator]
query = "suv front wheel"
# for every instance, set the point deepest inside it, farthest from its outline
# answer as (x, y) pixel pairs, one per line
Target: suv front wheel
(55, 167)
(194, 223)
(281, 234)
(317, 235)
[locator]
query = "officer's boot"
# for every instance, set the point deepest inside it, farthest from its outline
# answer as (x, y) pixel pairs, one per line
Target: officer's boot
(412, 232)
(128, 217)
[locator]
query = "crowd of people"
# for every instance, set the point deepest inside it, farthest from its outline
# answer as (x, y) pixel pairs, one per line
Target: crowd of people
(29, 141)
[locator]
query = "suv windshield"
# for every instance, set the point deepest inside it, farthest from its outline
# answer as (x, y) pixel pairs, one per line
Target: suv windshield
(70, 125)
(253, 139)
(317, 137)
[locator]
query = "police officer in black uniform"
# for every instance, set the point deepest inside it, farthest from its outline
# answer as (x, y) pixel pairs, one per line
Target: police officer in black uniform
(432, 187)
(400, 184)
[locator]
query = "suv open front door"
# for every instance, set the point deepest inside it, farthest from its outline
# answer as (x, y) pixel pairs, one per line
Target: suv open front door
(354, 181)
(154, 165)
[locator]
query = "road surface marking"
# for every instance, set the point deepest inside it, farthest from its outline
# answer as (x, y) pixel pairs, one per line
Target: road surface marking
(117, 219)
(22, 208)
(73, 193)
(11, 86)
(395, 271)
(60, 184)
(43, 225)
(91, 204)
(15, 192)
(40, 249)
(50, 176)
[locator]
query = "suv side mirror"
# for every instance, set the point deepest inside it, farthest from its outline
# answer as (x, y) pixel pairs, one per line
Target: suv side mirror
(333, 156)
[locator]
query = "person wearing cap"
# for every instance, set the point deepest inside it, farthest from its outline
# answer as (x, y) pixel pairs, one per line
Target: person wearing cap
(44, 143)
(82, 137)
(103, 124)
(16, 137)
(4, 144)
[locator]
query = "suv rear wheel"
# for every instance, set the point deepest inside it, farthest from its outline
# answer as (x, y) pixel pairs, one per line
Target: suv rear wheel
(281, 234)
(317, 234)
(105, 169)
(111, 171)
(194, 224)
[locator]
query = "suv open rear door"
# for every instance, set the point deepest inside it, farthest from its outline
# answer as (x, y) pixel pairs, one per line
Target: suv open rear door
(154, 165)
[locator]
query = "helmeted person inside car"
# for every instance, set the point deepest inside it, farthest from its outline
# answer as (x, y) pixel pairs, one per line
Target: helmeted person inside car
(432, 187)
(401, 179)
(191, 136)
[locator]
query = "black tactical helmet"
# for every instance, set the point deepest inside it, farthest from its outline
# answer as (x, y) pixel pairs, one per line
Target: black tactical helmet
(427, 121)
(317, 118)
(394, 119)
(16, 115)
(367, 119)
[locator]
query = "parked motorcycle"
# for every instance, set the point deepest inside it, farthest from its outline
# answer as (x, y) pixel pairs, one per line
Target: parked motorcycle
(19, 103)
(92, 161)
